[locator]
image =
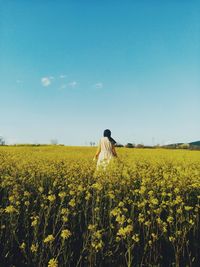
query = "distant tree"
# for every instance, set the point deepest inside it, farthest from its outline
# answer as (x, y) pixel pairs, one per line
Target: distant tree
(184, 146)
(140, 146)
(2, 141)
(92, 143)
(118, 145)
(130, 145)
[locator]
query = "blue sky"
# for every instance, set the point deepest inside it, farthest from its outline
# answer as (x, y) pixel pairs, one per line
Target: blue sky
(70, 69)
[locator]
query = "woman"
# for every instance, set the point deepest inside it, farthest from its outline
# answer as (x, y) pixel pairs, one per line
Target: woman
(106, 150)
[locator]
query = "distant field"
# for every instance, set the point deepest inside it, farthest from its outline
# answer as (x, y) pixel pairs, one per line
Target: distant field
(57, 210)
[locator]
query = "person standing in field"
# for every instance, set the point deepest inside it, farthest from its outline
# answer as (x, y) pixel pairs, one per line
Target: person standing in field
(106, 149)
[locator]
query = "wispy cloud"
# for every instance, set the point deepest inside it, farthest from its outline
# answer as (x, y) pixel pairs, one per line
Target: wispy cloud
(98, 85)
(46, 81)
(73, 84)
(62, 76)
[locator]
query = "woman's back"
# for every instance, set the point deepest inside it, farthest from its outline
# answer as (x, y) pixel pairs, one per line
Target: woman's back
(106, 150)
(106, 145)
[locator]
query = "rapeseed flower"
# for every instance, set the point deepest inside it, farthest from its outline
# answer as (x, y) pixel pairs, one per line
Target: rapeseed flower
(49, 238)
(53, 263)
(65, 234)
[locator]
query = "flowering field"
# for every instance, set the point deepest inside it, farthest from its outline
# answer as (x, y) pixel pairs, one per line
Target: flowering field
(56, 210)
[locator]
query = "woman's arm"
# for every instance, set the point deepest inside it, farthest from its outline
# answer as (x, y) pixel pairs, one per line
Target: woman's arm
(114, 151)
(98, 152)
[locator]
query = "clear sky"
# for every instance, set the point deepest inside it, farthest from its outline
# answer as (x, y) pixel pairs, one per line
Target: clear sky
(70, 69)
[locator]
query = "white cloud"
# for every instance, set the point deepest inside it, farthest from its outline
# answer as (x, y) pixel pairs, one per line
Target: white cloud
(62, 76)
(73, 84)
(46, 81)
(98, 85)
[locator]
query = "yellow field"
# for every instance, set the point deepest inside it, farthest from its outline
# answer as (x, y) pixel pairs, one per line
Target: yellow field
(56, 210)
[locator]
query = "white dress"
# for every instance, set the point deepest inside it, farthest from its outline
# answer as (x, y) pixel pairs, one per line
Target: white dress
(106, 153)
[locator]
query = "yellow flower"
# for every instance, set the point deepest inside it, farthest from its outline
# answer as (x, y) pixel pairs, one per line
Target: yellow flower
(54, 183)
(142, 190)
(51, 198)
(176, 190)
(53, 263)
(91, 227)
(97, 242)
(150, 193)
(11, 198)
(41, 189)
(27, 203)
(35, 221)
(179, 233)
(120, 219)
(191, 222)
(115, 212)
(164, 229)
(80, 188)
(121, 204)
(178, 200)
(96, 209)
(171, 239)
(118, 238)
(187, 208)
(88, 196)
(49, 238)
(23, 246)
(97, 186)
(154, 201)
(65, 234)
(10, 209)
(147, 223)
(62, 194)
(64, 218)
(71, 192)
(179, 211)
(64, 211)
(125, 231)
(72, 202)
(97, 245)
(154, 236)
(136, 238)
(159, 221)
(27, 194)
(34, 248)
(111, 195)
(141, 204)
(170, 219)
(141, 218)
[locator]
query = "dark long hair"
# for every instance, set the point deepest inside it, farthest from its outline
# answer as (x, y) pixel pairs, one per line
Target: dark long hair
(107, 133)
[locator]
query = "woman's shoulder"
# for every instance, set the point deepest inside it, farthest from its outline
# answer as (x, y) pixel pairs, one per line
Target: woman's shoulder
(104, 139)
